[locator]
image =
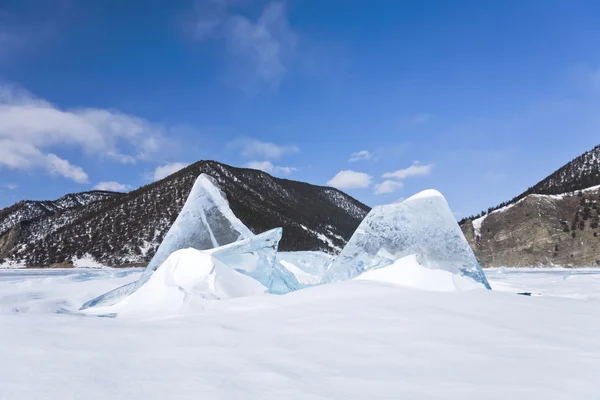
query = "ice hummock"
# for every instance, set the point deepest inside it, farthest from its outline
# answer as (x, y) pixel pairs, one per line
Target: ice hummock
(205, 222)
(185, 282)
(422, 225)
(254, 257)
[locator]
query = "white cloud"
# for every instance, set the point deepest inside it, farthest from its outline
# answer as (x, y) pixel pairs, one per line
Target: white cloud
(11, 186)
(165, 170)
(24, 156)
(388, 186)
(113, 186)
(30, 125)
(416, 169)
(58, 166)
(349, 179)
(256, 148)
(263, 47)
(269, 168)
(362, 155)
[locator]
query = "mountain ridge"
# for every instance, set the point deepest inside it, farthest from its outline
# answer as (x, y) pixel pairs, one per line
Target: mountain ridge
(554, 222)
(127, 228)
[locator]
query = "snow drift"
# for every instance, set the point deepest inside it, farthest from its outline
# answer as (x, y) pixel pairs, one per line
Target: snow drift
(184, 283)
(409, 271)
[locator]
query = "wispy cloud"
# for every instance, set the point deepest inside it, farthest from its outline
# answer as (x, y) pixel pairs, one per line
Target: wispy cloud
(269, 168)
(254, 148)
(163, 171)
(388, 186)
(60, 167)
(113, 186)
(261, 49)
(348, 179)
(393, 180)
(362, 155)
(30, 125)
(416, 169)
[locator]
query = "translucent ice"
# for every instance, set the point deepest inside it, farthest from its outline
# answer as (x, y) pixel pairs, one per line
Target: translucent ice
(205, 222)
(422, 225)
(112, 297)
(257, 258)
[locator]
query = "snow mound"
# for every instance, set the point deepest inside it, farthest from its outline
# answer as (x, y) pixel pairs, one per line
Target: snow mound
(409, 272)
(422, 225)
(184, 283)
(255, 257)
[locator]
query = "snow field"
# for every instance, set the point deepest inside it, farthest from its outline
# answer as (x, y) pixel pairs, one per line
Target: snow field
(349, 340)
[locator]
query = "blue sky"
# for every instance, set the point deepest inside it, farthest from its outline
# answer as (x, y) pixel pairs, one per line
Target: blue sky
(477, 99)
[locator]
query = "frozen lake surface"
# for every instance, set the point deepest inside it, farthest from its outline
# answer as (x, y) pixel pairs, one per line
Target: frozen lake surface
(350, 340)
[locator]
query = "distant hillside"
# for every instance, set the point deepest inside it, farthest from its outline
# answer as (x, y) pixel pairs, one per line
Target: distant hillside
(578, 174)
(554, 222)
(119, 229)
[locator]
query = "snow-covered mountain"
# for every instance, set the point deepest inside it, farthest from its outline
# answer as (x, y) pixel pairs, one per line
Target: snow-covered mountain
(581, 173)
(556, 221)
(28, 210)
(119, 229)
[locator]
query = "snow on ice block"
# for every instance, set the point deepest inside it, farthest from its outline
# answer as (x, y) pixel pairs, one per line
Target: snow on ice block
(183, 283)
(254, 257)
(422, 225)
(408, 271)
(313, 263)
(205, 222)
(257, 258)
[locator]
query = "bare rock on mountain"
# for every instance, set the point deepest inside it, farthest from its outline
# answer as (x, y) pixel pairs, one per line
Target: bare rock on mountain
(539, 230)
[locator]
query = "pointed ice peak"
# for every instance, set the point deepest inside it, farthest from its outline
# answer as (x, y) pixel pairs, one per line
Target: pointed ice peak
(422, 225)
(205, 222)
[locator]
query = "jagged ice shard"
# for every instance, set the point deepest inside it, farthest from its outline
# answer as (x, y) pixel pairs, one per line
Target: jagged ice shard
(257, 258)
(207, 223)
(422, 225)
